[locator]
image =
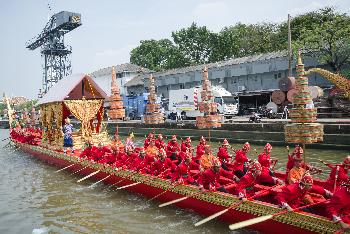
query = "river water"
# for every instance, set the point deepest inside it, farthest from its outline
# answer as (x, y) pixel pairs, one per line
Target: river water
(35, 199)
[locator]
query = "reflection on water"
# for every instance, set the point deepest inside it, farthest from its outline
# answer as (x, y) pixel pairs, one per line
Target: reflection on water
(34, 199)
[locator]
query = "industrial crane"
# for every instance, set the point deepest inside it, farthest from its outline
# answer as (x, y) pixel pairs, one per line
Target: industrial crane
(55, 54)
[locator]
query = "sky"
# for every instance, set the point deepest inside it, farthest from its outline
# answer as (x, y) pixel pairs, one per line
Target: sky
(112, 28)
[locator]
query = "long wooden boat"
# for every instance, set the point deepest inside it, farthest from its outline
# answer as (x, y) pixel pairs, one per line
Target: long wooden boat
(204, 203)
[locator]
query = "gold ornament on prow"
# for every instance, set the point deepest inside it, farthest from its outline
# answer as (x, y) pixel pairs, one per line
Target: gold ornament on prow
(153, 114)
(116, 110)
(210, 118)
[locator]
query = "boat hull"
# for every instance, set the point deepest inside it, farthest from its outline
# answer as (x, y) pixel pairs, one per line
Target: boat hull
(205, 203)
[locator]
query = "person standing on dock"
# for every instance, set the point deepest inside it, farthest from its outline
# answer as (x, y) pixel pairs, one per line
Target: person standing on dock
(67, 139)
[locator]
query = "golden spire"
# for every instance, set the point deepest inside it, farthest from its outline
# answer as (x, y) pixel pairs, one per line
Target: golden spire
(299, 57)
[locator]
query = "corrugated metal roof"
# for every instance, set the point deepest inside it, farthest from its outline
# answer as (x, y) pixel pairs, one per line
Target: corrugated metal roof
(126, 67)
(138, 80)
(63, 87)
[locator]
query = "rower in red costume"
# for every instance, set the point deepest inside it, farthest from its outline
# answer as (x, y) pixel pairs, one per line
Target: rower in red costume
(210, 178)
(142, 163)
(186, 144)
(297, 153)
(172, 148)
(265, 160)
(128, 158)
(200, 149)
(88, 149)
(339, 172)
(338, 208)
(245, 186)
(224, 156)
(295, 195)
(149, 138)
(241, 159)
(163, 167)
(160, 144)
(182, 172)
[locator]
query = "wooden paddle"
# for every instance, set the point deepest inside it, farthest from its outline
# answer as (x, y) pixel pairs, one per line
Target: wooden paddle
(179, 199)
(65, 168)
(88, 176)
(233, 206)
(261, 219)
(129, 185)
(99, 181)
(79, 170)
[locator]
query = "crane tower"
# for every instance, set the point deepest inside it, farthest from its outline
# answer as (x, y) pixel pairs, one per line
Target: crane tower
(55, 54)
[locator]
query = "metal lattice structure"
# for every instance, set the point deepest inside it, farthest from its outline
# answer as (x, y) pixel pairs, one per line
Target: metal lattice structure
(55, 54)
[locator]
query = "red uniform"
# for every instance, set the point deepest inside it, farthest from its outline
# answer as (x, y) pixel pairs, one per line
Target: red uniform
(210, 178)
(240, 159)
(294, 195)
(223, 155)
(342, 176)
(339, 206)
(200, 151)
(163, 167)
(172, 147)
(182, 172)
(245, 186)
(160, 144)
(185, 145)
(264, 160)
(147, 142)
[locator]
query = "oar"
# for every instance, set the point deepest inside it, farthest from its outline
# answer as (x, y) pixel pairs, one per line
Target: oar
(233, 206)
(129, 185)
(99, 181)
(65, 168)
(88, 176)
(79, 170)
(266, 217)
(179, 199)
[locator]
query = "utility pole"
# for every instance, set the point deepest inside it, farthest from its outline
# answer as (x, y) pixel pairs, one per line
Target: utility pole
(290, 52)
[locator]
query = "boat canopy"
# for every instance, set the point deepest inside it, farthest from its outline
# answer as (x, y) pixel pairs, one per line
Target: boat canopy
(73, 87)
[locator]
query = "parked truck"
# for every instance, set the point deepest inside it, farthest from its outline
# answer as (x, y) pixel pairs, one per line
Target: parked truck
(184, 102)
(135, 105)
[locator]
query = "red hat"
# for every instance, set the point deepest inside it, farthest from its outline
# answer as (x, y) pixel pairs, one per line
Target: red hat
(246, 147)
(307, 179)
(225, 142)
(150, 135)
(160, 136)
(216, 162)
(174, 138)
(188, 139)
(347, 161)
(202, 139)
(298, 150)
(255, 166)
(268, 147)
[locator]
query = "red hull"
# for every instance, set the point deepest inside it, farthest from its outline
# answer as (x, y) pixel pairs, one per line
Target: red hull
(197, 205)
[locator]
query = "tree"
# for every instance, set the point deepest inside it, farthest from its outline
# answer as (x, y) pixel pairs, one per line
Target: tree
(195, 42)
(325, 34)
(244, 40)
(157, 55)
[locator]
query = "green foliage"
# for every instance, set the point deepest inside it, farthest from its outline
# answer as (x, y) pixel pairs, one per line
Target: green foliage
(195, 42)
(157, 55)
(26, 106)
(324, 33)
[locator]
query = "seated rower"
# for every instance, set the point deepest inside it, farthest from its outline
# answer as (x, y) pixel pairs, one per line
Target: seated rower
(224, 156)
(338, 208)
(200, 149)
(210, 177)
(207, 158)
(298, 153)
(245, 186)
(142, 163)
(186, 144)
(182, 172)
(172, 148)
(295, 195)
(241, 160)
(88, 149)
(297, 172)
(100, 152)
(152, 150)
(148, 139)
(163, 167)
(338, 174)
(160, 144)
